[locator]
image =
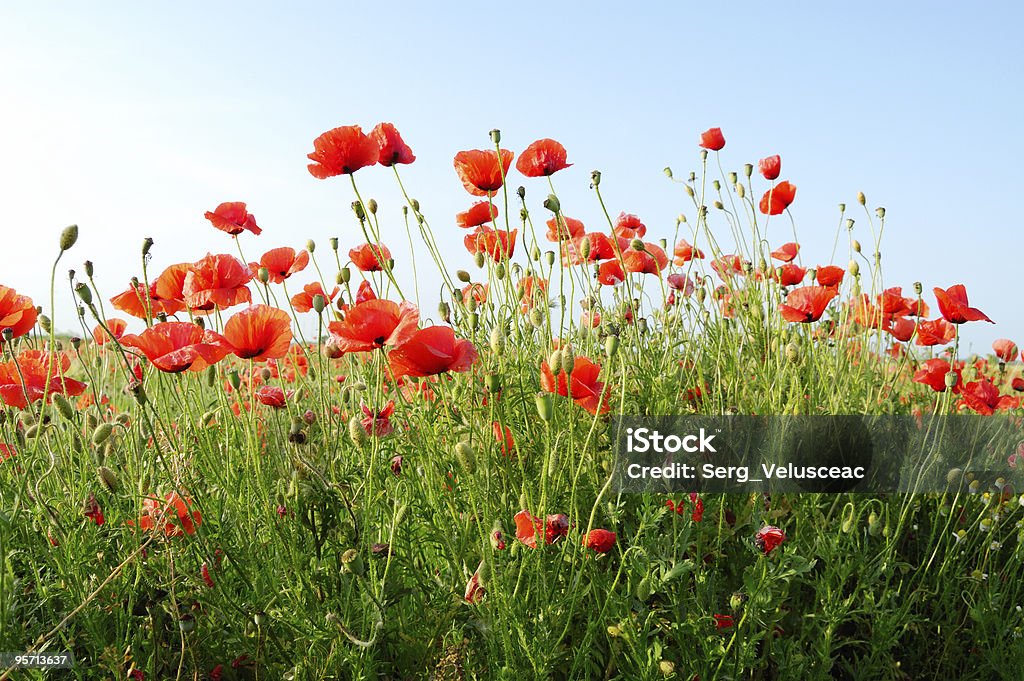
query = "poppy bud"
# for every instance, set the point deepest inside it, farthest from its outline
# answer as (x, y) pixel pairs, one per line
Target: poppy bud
(44, 323)
(854, 268)
(611, 346)
(874, 526)
(466, 457)
(371, 206)
(856, 246)
(595, 178)
(234, 379)
(310, 245)
(535, 253)
(263, 274)
(445, 311)
(667, 668)
(668, 172)
(537, 317)
(585, 248)
(139, 393)
(497, 536)
(555, 361)
(552, 203)
(689, 190)
(357, 432)
(521, 193)
(85, 293)
(416, 205)
(68, 237)
(474, 320)
(549, 258)
(861, 199)
(719, 205)
(107, 479)
(64, 407)
(717, 185)
(792, 353)
(498, 341)
(748, 169)
(545, 406)
(496, 136)
(352, 562)
(636, 244)
(463, 276)
(568, 359)
(951, 379)
(741, 190)
(319, 303)
(187, 624)
(102, 433)
(842, 207)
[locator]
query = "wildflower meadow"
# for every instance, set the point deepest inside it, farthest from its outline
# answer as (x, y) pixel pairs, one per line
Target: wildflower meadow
(276, 461)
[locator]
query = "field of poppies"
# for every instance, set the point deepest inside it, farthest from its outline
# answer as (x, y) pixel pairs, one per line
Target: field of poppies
(286, 466)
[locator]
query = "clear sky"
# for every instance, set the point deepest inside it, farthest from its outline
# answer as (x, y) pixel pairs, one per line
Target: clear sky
(132, 119)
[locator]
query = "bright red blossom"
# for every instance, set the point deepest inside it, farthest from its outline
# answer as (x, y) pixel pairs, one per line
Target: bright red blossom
(806, 304)
(17, 312)
(233, 218)
(391, 148)
(529, 526)
(259, 332)
(116, 326)
(498, 244)
(599, 540)
(770, 167)
(370, 257)
(1005, 349)
(768, 538)
(786, 252)
(431, 351)
(216, 281)
(954, 308)
(281, 263)
(176, 346)
(583, 386)
(342, 151)
(542, 158)
(712, 139)
(480, 213)
(374, 324)
(173, 515)
(777, 199)
(480, 172)
(34, 373)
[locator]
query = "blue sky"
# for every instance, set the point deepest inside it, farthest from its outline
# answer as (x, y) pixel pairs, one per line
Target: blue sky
(133, 119)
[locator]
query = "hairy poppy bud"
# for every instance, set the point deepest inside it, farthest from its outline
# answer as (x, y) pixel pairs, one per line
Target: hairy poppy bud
(263, 274)
(555, 361)
(861, 199)
(466, 457)
(792, 353)
(371, 206)
(345, 275)
(357, 432)
(537, 317)
(319, 303)
(521, 193)
(499, 271)
(234, 379)
(611, 346)
(68, 237)
(463, 276)
(535, 254)
(445, 311)
(474, 320)
(568, 359)
(102, 433)
(108, 479)
(64, 407)
(85, 293)
(44, 323)
(855, 245)
(689, 190)
(498, 341)
(854, 268)
(668, 172)
(496, 136)
(493, 383)
(874, 526)
(545, 406)
(741, 190)
(636, 244)
(310, 245)
(667, 668)
(352, 562)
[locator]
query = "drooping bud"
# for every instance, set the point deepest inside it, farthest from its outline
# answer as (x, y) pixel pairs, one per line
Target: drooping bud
(741, 190)
(445, 311)
(493, 383)
(102, 433)
(552, 203)
(537, 317)
(463, 276)
(499, 271)
(668, 172)
(521, 193)
(352, 562)
(108, 479)
(64, 407)
(466, 457)
(880, 212)
(44, 323)
(234, 379)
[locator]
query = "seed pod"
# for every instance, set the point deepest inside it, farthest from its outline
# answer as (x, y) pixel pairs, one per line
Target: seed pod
(263, 274)
(493, 383)
(310, 245)
(68, 237)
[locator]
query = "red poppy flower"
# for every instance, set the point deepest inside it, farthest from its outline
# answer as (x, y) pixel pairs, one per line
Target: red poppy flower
(900, 328)
(532, 291)
(983, 397)
(806, 304)
(935, 332)
(169, 287)
(177, 346)
(933, 374)
(610, 273)
(712, 139)
(374, 324)
(1005, 349)
(953, 306)
(628, 226)
(503, 436)
(543, 157)
(271, 396)
(259, 332)
(174, 513)
(480, 171)
(723, 622)
(391, 148)
(34, 373)
(725, 266)
(91, 510)
(684, 252)
(829, 275)
(477, 292)
(786, 252)
(599, 540)
(528, 527)
(216, 281)
(17, 312)
(1017, 384)
(370, 257)
(564, 227)
(768, 538)
(681, 283)
(480, 213)
(698, 507)
(651, 260)
(233, 218)
(583, 386)
(377, 423)
(770, 167)
(431, 351)
(342, 151)
(116, 326)
(133, 301)
(790, 274)
(777, 199)
(281, 263)
(303, 302)
(496, 243)
(7, 452)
